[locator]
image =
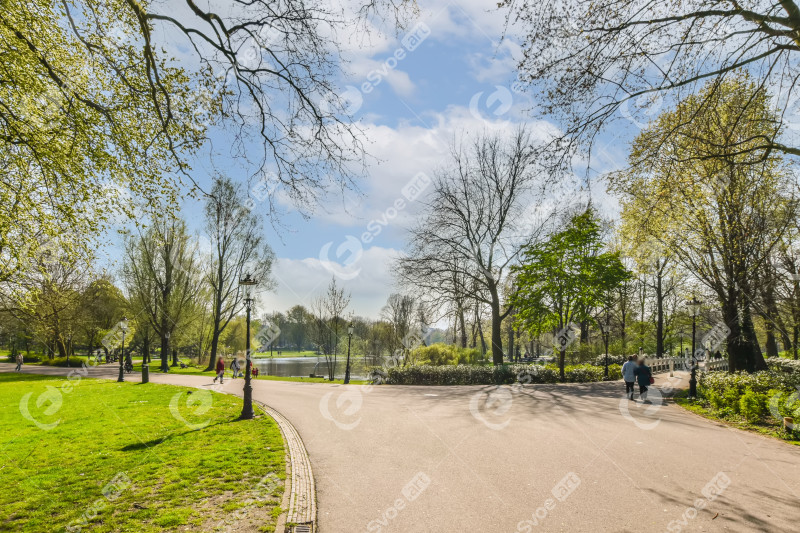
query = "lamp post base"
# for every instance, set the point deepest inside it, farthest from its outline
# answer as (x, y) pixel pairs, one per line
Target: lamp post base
(247, 408)
(145, 373)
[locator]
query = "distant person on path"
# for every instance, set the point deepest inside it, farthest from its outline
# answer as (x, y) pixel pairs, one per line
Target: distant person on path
(629, 375)
(645, 378)
(19, 363)
(235, 367)
(220, 369)
(255, 371)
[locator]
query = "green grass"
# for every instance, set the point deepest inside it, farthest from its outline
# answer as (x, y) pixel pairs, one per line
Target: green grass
(200, 371)
(131, 457)
(763, 427)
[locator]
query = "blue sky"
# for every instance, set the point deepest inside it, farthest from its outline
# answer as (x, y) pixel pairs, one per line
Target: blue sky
(457, 83)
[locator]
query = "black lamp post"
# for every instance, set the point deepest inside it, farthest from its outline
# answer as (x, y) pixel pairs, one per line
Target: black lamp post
(347, 368)
(123, 325)
(694, 306)
(606, 333)
(247, 407)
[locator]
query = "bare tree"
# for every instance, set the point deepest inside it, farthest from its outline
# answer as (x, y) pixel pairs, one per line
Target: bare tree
(478, 217)
(237, 248)
(399, 312)
(598, 61)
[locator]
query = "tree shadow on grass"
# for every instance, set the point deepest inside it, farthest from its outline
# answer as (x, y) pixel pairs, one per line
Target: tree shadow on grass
(155, 442)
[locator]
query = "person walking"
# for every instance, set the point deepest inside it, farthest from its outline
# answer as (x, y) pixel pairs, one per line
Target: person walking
(645, 378)
(19, 363)
(629, 375)
(220, 370)
(235, 367)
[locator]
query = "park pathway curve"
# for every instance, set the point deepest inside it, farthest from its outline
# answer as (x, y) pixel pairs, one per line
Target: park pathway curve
(572, 457)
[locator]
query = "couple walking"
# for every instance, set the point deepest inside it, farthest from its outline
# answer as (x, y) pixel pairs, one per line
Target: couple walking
(637, 372)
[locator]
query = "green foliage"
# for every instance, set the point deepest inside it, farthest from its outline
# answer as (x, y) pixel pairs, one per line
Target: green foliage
(84, 130)
(74, 361)
(751, 396)
(784, 365)
(495, 375)
(752, 405)
(565, 275)
(445, 354)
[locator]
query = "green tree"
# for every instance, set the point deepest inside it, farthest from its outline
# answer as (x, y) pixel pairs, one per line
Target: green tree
(702, 184)
(562, 277)
(162, 278)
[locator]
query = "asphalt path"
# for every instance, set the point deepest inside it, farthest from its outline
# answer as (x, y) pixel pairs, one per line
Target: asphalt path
(571, 457)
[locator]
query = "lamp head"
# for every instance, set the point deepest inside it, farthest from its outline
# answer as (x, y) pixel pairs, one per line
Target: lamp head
(350, 329)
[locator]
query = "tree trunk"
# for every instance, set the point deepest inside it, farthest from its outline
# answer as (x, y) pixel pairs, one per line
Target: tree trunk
(497, 332)
(562, 354)
(659, 313)
(744, 353)
(164, 353)
(463, 326)
(510, 343)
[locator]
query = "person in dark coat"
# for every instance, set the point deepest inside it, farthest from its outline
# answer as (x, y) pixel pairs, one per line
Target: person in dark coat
(643, 375)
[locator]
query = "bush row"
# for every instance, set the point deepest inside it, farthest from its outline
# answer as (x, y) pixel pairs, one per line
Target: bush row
(783, 365)
(74, 361)
(495, 375)
(762, 397)
(445, 354)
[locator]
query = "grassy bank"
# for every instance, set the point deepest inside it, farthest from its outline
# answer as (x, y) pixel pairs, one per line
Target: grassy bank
(98, 455)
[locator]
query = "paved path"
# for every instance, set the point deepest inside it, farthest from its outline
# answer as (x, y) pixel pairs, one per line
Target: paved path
(540, 458)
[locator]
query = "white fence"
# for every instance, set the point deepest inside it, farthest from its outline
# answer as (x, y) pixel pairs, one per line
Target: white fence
(670, 364)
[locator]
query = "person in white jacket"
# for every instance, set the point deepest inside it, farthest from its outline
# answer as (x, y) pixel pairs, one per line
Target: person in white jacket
(235, 367)
(629, 376)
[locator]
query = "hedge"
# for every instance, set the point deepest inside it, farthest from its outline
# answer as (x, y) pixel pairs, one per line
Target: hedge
(495, 375)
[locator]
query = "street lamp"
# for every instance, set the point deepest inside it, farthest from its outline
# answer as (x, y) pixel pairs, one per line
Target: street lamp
(247, 407)
(606, 333)
(123, 326)
(347, 368)
(694, 307)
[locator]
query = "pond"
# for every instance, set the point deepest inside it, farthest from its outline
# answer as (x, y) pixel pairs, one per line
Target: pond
(305, 366)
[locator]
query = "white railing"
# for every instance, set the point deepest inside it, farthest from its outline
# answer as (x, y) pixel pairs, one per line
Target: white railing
(664, 364)
(717, 364)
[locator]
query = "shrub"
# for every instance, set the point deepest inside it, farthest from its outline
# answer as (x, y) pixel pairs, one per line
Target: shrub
(494, 375)
(600, 360)
(33, 358)
(445, 354)
(780, 364)
(753, 405)
(74, 361)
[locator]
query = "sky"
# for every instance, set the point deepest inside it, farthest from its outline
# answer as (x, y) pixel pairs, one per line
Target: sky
(450, 75)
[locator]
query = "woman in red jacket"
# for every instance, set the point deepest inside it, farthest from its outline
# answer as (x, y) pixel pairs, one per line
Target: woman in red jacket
(220, 368)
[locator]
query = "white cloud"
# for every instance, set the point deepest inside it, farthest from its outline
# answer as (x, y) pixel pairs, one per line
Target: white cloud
(301, 280)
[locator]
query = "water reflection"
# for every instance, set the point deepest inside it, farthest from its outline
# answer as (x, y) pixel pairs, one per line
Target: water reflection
(305, 366)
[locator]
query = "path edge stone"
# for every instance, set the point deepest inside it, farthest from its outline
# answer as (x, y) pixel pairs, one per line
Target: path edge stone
(301, 515)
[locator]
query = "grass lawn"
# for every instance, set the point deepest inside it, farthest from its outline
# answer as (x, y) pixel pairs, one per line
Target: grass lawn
(772, 430)
(108, 456)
